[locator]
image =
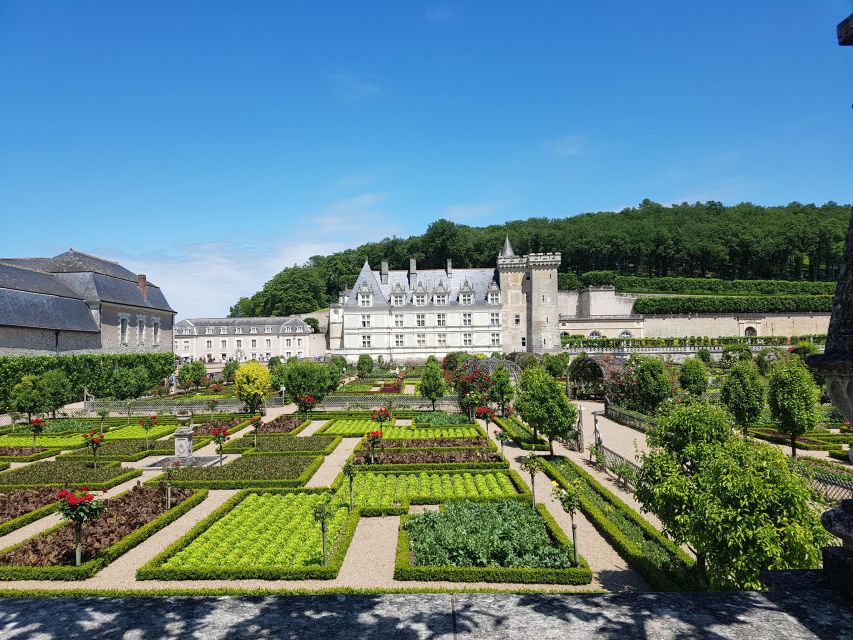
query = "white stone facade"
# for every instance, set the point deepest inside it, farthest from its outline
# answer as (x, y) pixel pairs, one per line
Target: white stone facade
(222, 339)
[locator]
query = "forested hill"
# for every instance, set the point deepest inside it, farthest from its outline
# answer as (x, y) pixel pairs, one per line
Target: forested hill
(745, 241)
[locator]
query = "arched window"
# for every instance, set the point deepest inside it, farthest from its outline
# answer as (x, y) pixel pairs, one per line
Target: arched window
(750, 332)
(626, 334)
(595, 334)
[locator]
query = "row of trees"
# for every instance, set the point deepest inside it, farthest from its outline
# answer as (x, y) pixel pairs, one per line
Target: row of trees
(745, 241)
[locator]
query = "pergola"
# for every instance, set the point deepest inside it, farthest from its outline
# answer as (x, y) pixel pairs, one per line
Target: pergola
(590, 375)
(490, 365)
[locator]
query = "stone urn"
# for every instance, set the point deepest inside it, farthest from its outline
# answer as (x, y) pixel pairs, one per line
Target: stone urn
(184, 434)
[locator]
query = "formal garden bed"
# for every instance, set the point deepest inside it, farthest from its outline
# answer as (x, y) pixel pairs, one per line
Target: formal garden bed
(232, 424)
(284, 424)
(73, 441)
(441, 418)
(26, 454)
(269, 535)
(64, 473)
(521, 434)
(496, 541)
(283, 444)
(127, 520)
(814, 440)
(19, 507)
(251, 471)
(129, 450)
(427, 456)
(349, 428)
(432, 433)
(377, 493)
(664, 566)
(433, 443)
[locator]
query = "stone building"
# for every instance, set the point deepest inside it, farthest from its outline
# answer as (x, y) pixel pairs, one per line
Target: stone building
(223, 339)
(78, 303)
(409, 315)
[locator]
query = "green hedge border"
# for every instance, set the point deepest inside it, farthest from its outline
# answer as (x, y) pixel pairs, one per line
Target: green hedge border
(86, 454)
(515, 428)
(623, 545)
(304, 477)
(405, 570)
(33, 456)
(154, 569)
(107, 484)
(31, 516)
(436, 466)
(120, 547)
(329, 448)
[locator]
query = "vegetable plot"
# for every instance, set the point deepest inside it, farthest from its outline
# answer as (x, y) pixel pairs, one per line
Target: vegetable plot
(418, 433)
(348, 428)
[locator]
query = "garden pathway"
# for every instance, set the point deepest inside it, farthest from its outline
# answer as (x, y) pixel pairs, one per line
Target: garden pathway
(331, 467)
(312, 428)
(609, 569)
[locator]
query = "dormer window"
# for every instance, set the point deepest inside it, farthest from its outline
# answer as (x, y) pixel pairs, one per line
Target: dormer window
(223, 330)
(420, 300)
(494, 297)
(267, 329)
(238, 329)
(209, 331)
(253, 330)
(466, 298)
(365, 300)
(441, 299)
(398, 299)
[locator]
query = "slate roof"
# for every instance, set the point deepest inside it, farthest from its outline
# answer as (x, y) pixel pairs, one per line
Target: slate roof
(280, 324)
(479, 281)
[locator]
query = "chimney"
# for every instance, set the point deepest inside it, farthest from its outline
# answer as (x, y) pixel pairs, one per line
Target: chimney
(449, 268)
(384, 272)
(413, 273)
(143, 285)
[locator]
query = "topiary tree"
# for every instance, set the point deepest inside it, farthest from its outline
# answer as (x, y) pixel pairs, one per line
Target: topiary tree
(734, 352)
(349, 472)
(252, 380)
(364, 365)
(705, 356)
(79, 507)
(743, 394)
(544, 406)
(532, 464)
(501, 391)
(693, 377)
(792, 396)
(129, 383)
(433, 386)
(323, 512)
(569, 497)
(56, 389)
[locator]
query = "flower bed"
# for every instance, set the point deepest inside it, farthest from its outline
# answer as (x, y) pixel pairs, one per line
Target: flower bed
(270, 535)
(428, 456)
(26, 454)
(348, 428)
(664, 566)
(61, 473)
(127, 520)
(207, 428)
(377, 493)
(282, 424)
(500, 541)
(129, 450)
(431, 433)
(22, 506)
(283, 444)
(251, 471)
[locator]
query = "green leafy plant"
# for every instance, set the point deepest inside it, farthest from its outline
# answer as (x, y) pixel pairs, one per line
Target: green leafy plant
(349, 472)
(743, 394)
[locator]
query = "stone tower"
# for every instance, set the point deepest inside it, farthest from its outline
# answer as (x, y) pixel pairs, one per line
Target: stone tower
(529, 300)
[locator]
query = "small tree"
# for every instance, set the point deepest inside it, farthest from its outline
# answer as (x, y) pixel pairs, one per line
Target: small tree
(704, 355)
(503, 437)
(544, 405)
(252, 380)
(532, 464)
(27, 397)
(103, 414)
(693, 377)
(93, 441)
(349, 473)
(79, 507)
(433, 385)
(37, 426)
(652, 385)
(373, 439)
(229, 370)
(306, 403)
(169, 468)
(743, 394)
(256, 424)
(501, 391)
(364, 365)
(212, 403)
(56, 389)
(220, 437)
(323, 511)
(307, 379)
(148, 423)
(793, 396)
(485, 414)
(569, 498)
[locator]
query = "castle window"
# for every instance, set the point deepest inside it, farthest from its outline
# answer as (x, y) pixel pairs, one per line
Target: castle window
(441, 319)
(420, 300)
(298, 342)
(140, 331)
(223, 330)
(495, 319)
(267, 329)
(398, 319)
(594, 334)
(365, 300)
(268, 343)
(397, 300)
(238, 330)
(467, 339)
(209, 344)
(517, 320)
(208, 331)
(441, 299)
(494, 298)
(442, 339)
(398, 340)
(420, 319)
(289, 342)
(524, 342)
(254, 344)
(224, 344)
(626, 334)
(466, 320)
(467, 298)
(496, 339)
(156, 332)
(365, 342)
(365, 321)
(239, 344)
(186, 345)
(421, 339)
(253, 330)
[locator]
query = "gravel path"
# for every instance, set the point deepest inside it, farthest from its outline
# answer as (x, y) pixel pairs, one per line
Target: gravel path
(331, 467)
(610, 570)
(312, 428)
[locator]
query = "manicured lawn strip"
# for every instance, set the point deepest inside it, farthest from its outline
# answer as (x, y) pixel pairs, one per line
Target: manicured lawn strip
(251, 471)
(155, 569)
(66, 473)
(129, 450)
(521, 434)
(663, 564)
(31, 457)
(90, 567)
(404, 569)
(435, 444)
(441, 419)
(283, 444)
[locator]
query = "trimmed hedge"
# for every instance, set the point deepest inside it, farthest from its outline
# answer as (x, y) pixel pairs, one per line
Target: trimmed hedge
(84, 371)
(273, 444)
(47, 453)
(810, 441)
(733, 304)
(674, 575)
(154, 569)
(288, 473)
(129, 450)
(66, 473)
(435, 466)
(27, 518)
(405, 570)
(90, 567)
(522, 436)
(714, 286)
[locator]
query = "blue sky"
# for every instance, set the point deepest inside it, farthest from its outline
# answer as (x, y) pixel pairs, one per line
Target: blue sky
(209, 144)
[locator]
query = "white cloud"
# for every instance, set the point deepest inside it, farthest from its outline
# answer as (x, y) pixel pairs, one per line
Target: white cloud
(567, 146)
(205, 278)
(352, 86)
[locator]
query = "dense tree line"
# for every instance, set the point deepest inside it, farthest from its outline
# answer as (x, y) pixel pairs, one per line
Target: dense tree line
(745, 241)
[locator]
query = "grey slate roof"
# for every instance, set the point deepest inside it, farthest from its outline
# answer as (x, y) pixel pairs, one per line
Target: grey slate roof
(279, 324)
(478, 280)
(40, 311)
(23, 279)
(76, 262)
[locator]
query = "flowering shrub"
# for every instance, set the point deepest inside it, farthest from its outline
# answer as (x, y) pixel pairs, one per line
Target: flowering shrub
(79, 507)
(381, 415)
(217, 387)
(220, 437)
(373, 439)
(37, 426)
(212, 404)
(306, 403)
(484, 413)
(93, 441)
(148, 423)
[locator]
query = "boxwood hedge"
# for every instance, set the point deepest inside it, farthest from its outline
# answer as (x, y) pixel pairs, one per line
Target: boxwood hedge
(67, 473)
(734, 304)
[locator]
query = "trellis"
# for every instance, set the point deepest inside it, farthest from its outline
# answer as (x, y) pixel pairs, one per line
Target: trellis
(490, 365)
